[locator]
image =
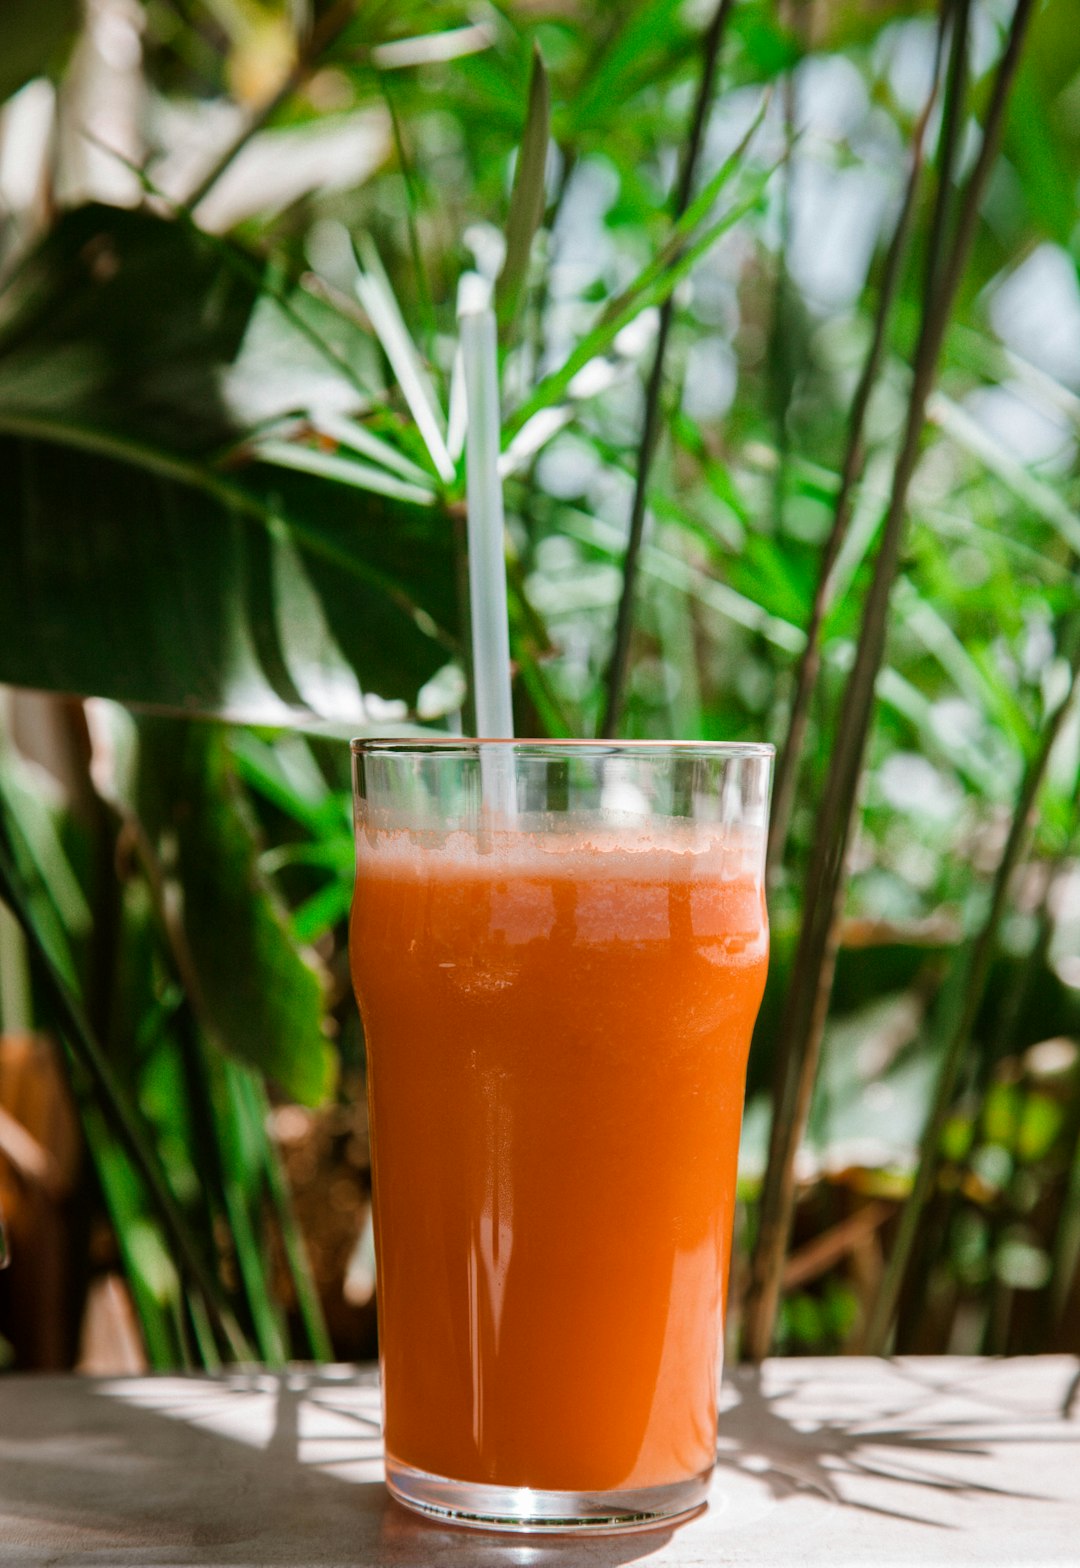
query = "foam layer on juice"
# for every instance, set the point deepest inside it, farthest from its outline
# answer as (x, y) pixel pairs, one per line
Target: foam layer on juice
(543, 847)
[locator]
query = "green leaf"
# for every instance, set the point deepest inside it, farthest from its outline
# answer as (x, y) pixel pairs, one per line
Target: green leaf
(122, 322)
(143, 1250)
(37, 35)
(346, 432)
(129, 347)
(677, 573)
(343, 470)
(526, 198)
(1032, 143)
(323, 910)
(1040, 1123)
(973, 679)
(376, 294)
(54, 899)
(93, 1073)
(769, 48)
(255, 995)
(1034, 492)
(242, 1145)
(652, 286)
(287, 775)
(638, 54)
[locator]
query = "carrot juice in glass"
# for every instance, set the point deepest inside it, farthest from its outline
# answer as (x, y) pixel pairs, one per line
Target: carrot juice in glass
(559, 950)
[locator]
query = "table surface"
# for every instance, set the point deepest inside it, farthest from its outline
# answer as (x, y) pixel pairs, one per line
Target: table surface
(837, 1462)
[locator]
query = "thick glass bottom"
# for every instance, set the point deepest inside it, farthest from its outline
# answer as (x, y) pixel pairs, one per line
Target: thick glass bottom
(524, 1508)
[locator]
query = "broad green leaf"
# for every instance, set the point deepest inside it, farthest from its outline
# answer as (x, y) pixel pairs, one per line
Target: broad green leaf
(526, 198)
(123, 323)
(157, 575)
(255, 995)
(146, 592)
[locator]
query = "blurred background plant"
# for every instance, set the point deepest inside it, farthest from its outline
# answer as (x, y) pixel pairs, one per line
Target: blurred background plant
(790, 332)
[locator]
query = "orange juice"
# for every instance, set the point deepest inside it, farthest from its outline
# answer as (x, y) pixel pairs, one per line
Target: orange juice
(557, 1032)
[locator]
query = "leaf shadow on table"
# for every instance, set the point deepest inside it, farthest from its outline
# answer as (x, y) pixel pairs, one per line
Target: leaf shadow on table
(900, 1452)
(264, 1470)
(242, 1472)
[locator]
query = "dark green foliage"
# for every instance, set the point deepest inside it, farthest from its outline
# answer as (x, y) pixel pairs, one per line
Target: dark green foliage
(219, 502)
(141, 566)
(37, 36)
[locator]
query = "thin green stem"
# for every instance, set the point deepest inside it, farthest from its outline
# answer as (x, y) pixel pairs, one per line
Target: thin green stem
(957, 14)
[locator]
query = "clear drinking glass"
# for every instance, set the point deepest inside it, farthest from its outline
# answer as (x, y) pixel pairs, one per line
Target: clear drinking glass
(559, 949)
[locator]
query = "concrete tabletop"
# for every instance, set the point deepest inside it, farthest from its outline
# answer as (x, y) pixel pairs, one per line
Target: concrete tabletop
(837, 1462)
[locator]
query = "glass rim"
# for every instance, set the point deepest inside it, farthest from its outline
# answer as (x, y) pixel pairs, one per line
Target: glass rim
(465, 745)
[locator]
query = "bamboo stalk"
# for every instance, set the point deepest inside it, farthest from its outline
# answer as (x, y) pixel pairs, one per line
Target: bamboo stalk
(650, 430)
(974, 984)
(806, 1005)
(951, 127)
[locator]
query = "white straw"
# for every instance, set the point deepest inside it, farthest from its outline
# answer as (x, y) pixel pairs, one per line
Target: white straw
(487, 561)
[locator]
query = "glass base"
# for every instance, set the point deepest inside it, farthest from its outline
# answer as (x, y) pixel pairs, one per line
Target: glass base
(524, 1508)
